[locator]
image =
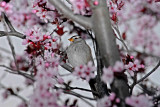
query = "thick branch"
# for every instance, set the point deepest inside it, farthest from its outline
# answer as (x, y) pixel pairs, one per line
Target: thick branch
(17, 34)
(107, 45)
(12, 32)
(8, 22)
(82, 20)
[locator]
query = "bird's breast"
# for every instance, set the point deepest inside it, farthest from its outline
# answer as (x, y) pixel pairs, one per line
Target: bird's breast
(79, 55)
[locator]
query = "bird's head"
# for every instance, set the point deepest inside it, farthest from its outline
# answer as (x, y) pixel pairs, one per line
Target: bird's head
(75, 38)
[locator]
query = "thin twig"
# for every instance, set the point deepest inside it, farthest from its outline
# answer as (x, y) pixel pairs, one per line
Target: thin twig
(14, 94)
(10, 70)
(83, 89)
(22, 74)
(121, 39)
(13, 52)
(78, 95)
(134, 83)
(144, 53)
(148, 74)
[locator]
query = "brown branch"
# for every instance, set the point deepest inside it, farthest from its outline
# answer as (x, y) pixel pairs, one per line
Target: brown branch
(148, 74)
(144, 53)
(120, 38)
(12, 32)
(83, 89)
(108, 49)
(78, 95)
(134, 83)
(14, 94)
(10, 70)
(143, 78)
(8, 22)
(82, 20)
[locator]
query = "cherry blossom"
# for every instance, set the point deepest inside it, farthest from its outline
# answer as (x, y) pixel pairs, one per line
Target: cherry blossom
(5, 7)
(47, 70)
(22, 104)
(118, 67)
(134, 66)
(5, 94)
(44, 10)
(108, 75)
(108, 101)
(44, 47)
(104, 102)
(80, 6)
(85, 71)
(139, 101)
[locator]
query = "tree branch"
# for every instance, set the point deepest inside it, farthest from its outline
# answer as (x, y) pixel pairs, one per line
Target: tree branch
(19, 73)
(8, 22)
(14, 94)
(148, 74)
(13, 32)
(107, 45)
(82, 20)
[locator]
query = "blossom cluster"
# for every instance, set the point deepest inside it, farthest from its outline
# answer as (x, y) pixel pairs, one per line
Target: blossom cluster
(81, 7)
(139, 101)
(5, 7)
(39, 42)
(44, 10)
(108, 101)
(134, 66)
(114, 7)
(120, 67)
(46, 78)
(108, 73)
(85, 71)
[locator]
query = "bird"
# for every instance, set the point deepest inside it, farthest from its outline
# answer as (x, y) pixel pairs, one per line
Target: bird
(79, 53)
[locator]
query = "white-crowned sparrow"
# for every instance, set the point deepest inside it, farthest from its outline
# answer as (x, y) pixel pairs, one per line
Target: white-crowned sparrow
(78, 53)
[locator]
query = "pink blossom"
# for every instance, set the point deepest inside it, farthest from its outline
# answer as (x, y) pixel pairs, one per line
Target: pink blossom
(95, 2)
(85, 71)
(104, 102)
(42, 9)
(134, 66)
(118, 67)
(80, 6)
(139, 101)
(5, 94)
(112, 96)
(108, 75)
(33, 34)
(22, 104)
(5, 7)
(28, 81)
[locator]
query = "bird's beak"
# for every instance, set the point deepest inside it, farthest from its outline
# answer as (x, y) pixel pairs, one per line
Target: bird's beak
(71, 39)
